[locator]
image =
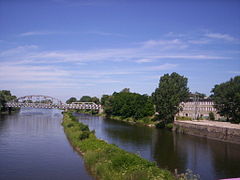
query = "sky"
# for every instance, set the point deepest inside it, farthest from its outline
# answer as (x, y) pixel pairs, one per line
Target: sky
(65, 48)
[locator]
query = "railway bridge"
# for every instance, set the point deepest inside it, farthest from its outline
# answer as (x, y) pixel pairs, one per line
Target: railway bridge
(41, 101)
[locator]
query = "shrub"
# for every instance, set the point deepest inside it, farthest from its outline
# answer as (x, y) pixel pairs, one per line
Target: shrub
(161, 124)
(169, 126)
(211, 116)
(84, 135)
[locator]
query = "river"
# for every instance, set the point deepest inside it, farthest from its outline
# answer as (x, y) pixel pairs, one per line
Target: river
(33, 146)
(210, 159)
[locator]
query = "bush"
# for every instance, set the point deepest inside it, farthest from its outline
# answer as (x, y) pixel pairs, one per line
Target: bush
(161, 124)
(146, 120)
(84, 135)
(169, 126)
(211, 116)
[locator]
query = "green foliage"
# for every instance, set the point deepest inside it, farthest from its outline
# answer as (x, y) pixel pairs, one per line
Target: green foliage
(211, 116)
(128, 105)
(226, 97)
(188, 175)
(183, 118)
(161, 124)
(107, 161)
(169, 126)
(5, 96)
(171, 91)
(95, 100)
(197, 95)
(86, 99)
(70, 100)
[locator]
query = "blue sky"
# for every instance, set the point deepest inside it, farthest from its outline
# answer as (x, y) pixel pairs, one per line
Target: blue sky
(65, 48)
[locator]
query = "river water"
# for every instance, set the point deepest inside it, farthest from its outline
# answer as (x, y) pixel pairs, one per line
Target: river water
(210, 159)
(33, 146)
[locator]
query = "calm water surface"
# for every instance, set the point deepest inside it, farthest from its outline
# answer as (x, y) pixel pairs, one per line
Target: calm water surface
(33, 146)
(210, 159)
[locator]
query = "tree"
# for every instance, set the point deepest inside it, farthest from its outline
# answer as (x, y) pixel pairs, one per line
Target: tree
(95, 100)
(226, 98)
(104, 99)
(86, 99)
(5, 96)
(127, 90)
(197, 95)
(171, 92)
(126, 104)
(70, 100)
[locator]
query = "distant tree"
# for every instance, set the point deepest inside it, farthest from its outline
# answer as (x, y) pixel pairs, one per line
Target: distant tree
(86, 99)
(126, 90)
(5, 96)
(95, 100)
(197, 95)
(70, 100)
(104, 99)
(171, 92)
(226, 97)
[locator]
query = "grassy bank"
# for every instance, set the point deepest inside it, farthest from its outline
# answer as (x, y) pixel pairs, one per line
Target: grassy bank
(107, 161)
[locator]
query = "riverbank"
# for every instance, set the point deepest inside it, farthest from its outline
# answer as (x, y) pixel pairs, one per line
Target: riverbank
(223, 131)
(144, 121)
(12, 111)
(107, 160)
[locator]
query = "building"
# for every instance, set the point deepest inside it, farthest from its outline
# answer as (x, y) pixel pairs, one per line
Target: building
(198, 109)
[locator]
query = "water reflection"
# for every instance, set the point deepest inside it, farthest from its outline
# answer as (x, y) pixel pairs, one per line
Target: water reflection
(33, 146)
(209, 158)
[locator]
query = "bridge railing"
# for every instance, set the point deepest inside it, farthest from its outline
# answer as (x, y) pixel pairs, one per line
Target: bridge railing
(55, 106)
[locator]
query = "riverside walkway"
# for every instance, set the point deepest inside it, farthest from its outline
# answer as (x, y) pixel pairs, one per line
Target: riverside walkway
(222, 131)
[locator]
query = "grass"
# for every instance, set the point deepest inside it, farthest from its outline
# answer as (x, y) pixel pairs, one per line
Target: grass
(107, 161)
(146, 121)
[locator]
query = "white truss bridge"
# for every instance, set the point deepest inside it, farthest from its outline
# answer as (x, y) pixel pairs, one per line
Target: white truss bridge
(47, 102)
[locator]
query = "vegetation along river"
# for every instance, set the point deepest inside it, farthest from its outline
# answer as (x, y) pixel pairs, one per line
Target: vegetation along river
(33, 146)
(210, 159)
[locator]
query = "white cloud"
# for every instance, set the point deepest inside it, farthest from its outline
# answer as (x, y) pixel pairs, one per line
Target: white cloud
(204, 41)
(18, 50)
(152, 43)
(144, 60)
(36, 33)
(225, 37)
(234, 72)
(193, 57)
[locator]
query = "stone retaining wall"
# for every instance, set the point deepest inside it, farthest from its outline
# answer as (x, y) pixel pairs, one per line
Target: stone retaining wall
(228, 134)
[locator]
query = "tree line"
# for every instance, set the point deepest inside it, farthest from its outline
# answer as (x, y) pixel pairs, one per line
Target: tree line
(164, 103)
(84, 99)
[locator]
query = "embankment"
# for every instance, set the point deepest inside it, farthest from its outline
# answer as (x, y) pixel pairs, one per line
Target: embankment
(107, 161)
(222, 131)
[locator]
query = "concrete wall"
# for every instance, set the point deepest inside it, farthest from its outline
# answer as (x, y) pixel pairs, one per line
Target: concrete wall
(218, 133)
